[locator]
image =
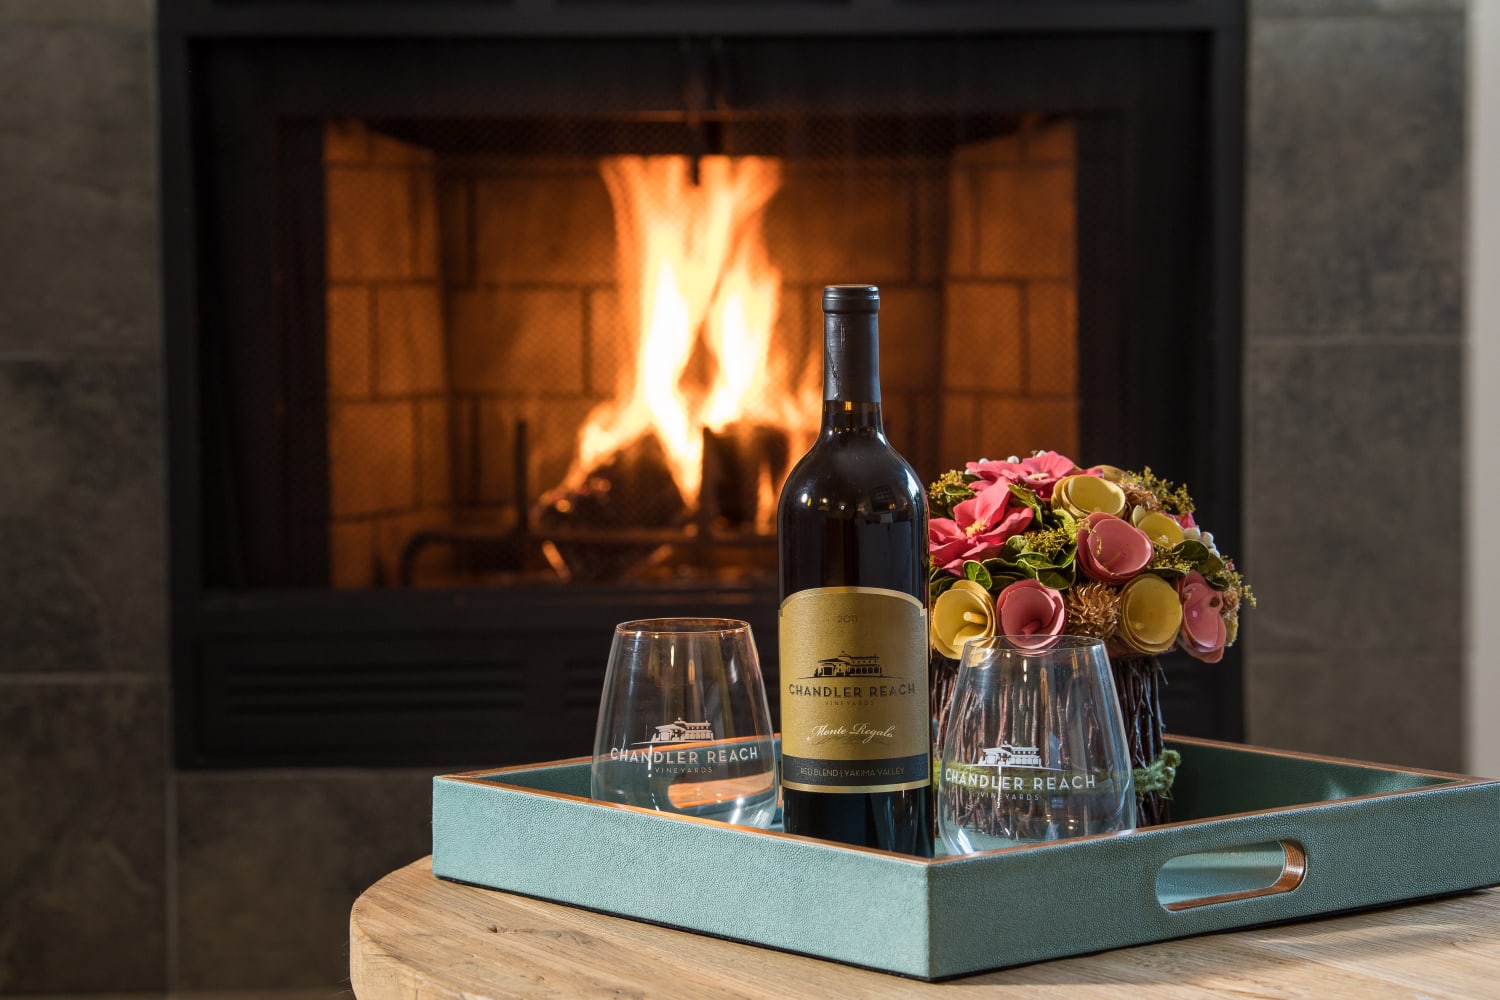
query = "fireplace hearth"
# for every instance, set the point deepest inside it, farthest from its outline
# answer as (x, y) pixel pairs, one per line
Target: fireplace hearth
(489, 328)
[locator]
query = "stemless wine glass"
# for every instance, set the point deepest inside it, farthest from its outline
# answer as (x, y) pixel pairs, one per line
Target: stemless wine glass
(1035, 747)
(684, 725)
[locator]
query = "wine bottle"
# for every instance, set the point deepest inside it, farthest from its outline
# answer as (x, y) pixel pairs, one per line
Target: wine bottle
(851, 531)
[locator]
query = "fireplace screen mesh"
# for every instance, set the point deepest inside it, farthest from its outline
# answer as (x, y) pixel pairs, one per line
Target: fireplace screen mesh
(549, 365)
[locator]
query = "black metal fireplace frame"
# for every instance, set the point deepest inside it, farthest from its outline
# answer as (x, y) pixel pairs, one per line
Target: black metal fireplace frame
(306, 676)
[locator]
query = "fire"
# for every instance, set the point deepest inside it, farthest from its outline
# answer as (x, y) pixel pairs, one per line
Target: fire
(698, 287)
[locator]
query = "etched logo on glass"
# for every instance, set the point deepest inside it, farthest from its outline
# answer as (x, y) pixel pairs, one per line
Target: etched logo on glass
(678, 747)
(1018, 770)
(681, 732)
(1005, 754)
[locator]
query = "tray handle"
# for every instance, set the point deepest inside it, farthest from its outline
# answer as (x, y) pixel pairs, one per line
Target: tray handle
(1226, 875)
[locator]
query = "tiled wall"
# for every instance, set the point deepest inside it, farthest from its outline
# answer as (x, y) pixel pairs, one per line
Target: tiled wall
(218, 880)
(1353, 328)
(118, 873)
(84, 825)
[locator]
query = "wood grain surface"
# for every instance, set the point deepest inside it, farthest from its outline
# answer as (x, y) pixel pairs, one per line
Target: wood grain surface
(415, 937)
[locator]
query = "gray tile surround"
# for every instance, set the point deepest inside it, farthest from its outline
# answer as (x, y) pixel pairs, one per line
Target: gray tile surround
(1262, 9)
(95, 14)
(81, 517)
(1355, 176)
(1392, 709)
(269, 865)
(77, 191)
(1353, 454)
(1353, 414)
(83, 870)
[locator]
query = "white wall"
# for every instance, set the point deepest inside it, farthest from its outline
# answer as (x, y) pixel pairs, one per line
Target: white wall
(1482, 390)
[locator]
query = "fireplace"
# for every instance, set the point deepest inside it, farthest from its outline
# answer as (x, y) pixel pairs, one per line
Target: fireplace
(491, 328)
(598, 368)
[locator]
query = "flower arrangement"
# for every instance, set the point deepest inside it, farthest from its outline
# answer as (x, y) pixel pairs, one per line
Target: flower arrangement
(1041, 547)
(1038, 546)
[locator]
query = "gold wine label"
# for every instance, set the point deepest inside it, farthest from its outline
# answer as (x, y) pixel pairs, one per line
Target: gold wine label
(854, 709)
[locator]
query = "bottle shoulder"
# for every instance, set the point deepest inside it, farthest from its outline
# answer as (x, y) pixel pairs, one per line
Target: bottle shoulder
(853, 470)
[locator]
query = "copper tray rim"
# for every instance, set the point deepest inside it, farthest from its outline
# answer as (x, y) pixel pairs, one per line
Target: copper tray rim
(1446, 780)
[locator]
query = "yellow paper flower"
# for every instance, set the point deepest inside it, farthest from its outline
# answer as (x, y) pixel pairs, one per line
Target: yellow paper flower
(1162, 529)
(962, 612)
(1084, 495)
(1150, 614)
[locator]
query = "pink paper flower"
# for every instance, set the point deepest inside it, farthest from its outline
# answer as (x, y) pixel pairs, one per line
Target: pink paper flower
(978, 528)
(947, 543)
(1111, 550)
(1027, 608)
(1204, 632)
(1038, 473)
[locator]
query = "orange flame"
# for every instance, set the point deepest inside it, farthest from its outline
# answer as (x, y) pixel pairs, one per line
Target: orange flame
(696, 282)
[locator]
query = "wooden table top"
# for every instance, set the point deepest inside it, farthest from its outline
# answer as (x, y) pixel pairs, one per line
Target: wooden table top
(416, 937)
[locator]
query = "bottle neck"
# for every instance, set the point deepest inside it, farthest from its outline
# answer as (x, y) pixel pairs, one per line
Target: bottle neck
(851, 371)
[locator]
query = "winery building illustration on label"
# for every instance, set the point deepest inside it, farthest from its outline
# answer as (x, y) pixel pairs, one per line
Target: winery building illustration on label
(845, 665)
(873, 681)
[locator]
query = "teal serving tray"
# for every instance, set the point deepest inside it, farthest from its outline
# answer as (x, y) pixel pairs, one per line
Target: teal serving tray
(1260, 836)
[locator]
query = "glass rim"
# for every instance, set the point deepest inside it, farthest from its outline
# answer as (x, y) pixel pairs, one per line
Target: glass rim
(1022, 643)
(685, 625)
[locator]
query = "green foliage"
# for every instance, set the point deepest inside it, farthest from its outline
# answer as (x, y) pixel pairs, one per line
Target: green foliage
(948, 491)
(1045, 556)
(1230, 579)
(1055, 543)
(1167, 564)
(939, 581)
(1002, 574)
(1201, 558)
(1174, 499)
(1028, 499)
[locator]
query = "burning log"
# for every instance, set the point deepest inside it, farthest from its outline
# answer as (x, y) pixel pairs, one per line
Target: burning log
(742, 465)
(591, 525)
(696, 279)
